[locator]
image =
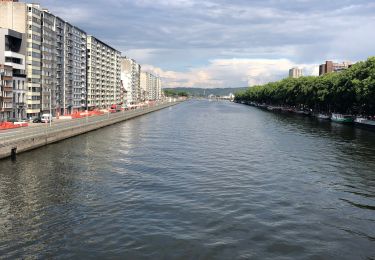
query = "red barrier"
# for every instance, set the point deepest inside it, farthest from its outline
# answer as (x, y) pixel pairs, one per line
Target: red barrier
(11, 125)
(86, 114)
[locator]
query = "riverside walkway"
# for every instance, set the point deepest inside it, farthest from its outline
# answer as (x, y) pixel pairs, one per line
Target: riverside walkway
(23, 139)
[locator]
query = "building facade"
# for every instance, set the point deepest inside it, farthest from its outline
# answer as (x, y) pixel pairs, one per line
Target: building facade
(295, 73)
(151, 86)
(104, 74)
(56, 58)
(12, 70)
(158, 95)
(48, 63)
(71, 67)
(66, 69)
(37, 25)
(331, 66)
(126, 82)
(131, 71)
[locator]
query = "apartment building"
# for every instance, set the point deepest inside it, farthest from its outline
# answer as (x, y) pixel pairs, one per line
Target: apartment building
(71, 67)
(295, 73)
(12, 70)
(126, 83)
(145, 83)
(66, 69)
(48, 63)
(151, 86)
(103, 74)
(56, 58)
(158, 89)
(331, 66)
(130, 71)
(31, 20)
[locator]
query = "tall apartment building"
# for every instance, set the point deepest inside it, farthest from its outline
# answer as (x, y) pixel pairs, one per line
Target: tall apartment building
(126, 82)
(12, 73)
(158, 89)
(104, 74)
(151, 86)
(145, 83)
(331, 66)
(71, 67)
(56, 58)
(130, 71)
(295, 73)
(37, 25)
(48, 62)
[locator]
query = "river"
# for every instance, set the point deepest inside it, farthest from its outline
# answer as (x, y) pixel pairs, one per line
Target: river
(200, 180)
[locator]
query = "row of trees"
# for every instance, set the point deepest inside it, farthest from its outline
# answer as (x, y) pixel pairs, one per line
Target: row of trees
(175, 93)
(350, 91)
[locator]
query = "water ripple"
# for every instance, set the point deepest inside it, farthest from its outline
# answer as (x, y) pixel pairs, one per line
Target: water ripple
(201, 180)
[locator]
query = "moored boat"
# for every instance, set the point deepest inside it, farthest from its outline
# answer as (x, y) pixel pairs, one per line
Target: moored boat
(302, 112)
(323, 116)
(263, 106)
(344, 119)
(272, 108)
(364, 122)
(287, 109)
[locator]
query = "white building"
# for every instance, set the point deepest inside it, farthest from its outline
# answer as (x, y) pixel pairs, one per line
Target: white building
(130, 71)
(27, 19)
(127, 83)
(103, 75)
(55, 60)
(71, 67)
(295, 73)
(151, 86)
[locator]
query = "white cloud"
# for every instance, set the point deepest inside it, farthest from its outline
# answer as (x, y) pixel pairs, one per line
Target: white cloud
(169, 3)
(230, 73)
(141, 55)
(73, 14)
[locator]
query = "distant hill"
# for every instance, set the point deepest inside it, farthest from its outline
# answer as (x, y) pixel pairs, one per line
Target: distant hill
(204, 92)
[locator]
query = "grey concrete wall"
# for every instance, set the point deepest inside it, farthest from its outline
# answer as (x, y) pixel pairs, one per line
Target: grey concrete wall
(45, 136)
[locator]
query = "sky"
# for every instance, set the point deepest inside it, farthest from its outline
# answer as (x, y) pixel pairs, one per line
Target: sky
(227, 43)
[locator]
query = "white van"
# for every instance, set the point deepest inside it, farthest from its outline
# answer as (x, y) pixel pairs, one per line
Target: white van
(46, 118)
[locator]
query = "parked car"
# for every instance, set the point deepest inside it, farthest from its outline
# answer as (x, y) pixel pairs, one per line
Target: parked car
(37, 120)
(46, 118)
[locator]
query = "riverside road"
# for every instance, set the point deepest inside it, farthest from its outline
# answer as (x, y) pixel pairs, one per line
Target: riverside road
(10, 139)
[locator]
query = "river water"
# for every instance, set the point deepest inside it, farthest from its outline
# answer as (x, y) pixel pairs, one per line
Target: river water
(200, 180)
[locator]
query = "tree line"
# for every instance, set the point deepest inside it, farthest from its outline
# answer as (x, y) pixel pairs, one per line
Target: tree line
(175, 93)
(350, 91)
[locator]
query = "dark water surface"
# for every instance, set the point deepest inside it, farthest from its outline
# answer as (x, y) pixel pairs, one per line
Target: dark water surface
(201, 180)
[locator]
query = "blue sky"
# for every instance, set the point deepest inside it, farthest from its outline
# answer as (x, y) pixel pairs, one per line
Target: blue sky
(227, 43)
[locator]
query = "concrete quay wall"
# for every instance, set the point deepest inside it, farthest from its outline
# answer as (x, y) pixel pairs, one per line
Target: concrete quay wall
(32, 139)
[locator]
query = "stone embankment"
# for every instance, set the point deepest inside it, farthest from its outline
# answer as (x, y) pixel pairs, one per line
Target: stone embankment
(14, 142)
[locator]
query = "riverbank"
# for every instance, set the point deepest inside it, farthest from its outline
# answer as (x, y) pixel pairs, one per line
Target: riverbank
(15, 142)
(350, 91)
(355, 120)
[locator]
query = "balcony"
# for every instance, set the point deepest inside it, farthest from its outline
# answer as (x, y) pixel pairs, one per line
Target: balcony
(7, 77)
(20, 104)
(6, 109)
(7, 99)
(8, 89)
(19, 75)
